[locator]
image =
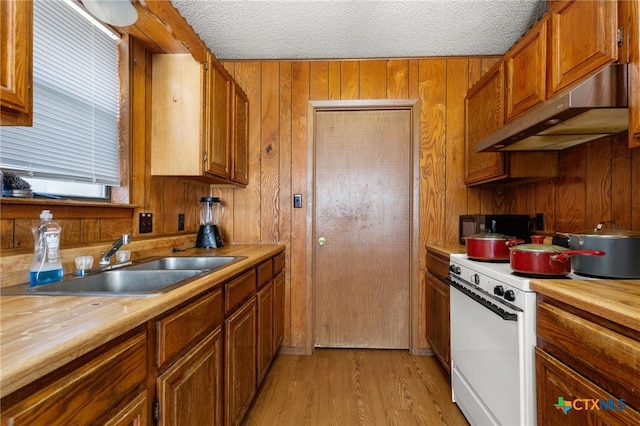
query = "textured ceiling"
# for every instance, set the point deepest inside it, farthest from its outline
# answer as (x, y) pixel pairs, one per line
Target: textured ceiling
(317, 29)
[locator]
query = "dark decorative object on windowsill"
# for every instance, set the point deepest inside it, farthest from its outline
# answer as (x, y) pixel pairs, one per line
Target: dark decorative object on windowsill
(14, 186)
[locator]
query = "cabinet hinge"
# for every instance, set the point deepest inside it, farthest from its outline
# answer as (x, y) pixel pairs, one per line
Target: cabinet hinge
(205, 156)
(206, 65)
(620, 36)
(155, 415)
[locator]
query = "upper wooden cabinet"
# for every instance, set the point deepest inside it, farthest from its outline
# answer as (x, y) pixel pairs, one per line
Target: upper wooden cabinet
(630, 20)
(582, 39)
(484, 114)
(16, 34)
(192, 119)
(240, 140)
(526, 72)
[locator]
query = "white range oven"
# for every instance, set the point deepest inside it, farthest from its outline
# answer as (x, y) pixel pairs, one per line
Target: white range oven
(493, 335)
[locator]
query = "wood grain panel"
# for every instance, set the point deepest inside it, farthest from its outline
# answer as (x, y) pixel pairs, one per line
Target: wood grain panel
(621, 181)
(456, 191)
(635, 193)
(397, 79)
(270, 148)
(6, 233)
(335, 81)
(414, 76)
(298, 295)
(545, 202)
(598, 182)
(373, 79)
(571, 207)
(349, 79)
(318, 80)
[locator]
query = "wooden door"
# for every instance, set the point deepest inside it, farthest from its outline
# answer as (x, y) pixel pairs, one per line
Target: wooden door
(362, 205)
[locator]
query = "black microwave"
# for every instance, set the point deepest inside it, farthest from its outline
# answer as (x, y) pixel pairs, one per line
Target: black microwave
(516, 225)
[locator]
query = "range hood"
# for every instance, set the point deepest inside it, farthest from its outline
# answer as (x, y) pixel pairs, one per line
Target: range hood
(593, 109)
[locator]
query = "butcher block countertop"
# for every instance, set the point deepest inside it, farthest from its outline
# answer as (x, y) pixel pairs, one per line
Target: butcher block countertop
(39, 334)
(446, 249)
(615, 300)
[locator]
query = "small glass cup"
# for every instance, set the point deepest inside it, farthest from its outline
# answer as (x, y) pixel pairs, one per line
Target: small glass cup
(84, 262)
(123, 255)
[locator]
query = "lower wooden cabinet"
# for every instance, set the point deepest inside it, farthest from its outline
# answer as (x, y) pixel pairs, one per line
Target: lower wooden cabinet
(106, 386)
(135, 413)
(278, 311)
(190, 391)
(587, 369)
(265, 303)
(438, 334)
(240, 362)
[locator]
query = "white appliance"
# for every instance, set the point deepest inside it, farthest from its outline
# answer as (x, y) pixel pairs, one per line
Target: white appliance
(492, 343)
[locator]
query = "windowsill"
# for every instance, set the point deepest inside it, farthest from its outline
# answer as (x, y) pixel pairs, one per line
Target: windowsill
(24, 207)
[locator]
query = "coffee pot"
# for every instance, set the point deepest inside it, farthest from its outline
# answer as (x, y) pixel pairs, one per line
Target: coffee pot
(211, 211)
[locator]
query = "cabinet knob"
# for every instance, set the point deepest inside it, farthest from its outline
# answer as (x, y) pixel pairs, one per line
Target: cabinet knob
(322, 241)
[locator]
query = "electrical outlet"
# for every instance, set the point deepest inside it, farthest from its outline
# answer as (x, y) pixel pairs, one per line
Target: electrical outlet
(145, 223)
(181, 222)
(297, 201)
(539, 221)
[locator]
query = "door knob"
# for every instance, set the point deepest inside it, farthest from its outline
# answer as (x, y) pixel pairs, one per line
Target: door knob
(322, 241)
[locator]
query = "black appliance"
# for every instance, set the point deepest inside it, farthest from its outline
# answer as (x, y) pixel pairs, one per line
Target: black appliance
(516, 225)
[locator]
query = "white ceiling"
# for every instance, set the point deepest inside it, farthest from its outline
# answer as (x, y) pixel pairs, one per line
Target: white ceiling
(333, 29)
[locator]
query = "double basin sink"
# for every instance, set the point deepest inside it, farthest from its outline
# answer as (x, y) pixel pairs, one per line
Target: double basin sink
(146, 277)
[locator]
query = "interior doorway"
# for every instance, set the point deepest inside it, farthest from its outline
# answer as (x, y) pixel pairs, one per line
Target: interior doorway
(363, 223)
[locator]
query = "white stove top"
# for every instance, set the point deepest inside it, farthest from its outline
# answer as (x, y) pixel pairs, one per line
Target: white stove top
(499, 271)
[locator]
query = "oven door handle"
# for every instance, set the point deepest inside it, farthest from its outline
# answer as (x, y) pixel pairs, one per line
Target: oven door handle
(507, 316)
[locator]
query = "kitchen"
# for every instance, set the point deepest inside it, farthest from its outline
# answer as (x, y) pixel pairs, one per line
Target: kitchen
(595, 180)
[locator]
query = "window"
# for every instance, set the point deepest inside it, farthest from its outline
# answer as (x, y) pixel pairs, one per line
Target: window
(75, 133)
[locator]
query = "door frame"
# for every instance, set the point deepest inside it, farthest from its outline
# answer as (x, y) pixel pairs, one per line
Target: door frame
(413, 106)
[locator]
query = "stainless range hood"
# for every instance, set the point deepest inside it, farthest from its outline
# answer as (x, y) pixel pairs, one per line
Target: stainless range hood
(593, 109)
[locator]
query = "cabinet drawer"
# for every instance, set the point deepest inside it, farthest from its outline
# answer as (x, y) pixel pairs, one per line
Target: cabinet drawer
(265, 272)
(606, 357)
(437, 265)
(239, 290)
(178, 330)
(278, 263)
(84, 394)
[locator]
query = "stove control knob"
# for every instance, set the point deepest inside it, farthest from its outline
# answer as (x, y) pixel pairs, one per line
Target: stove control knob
(476, 279)
(498, 290)
(510, 295)
(455, 269)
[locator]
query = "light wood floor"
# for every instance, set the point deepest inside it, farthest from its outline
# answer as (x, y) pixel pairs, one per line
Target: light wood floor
(345, 387)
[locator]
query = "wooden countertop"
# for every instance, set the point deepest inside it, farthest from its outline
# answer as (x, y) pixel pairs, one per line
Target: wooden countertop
(446, 249)
(39, 334)
(615, 300)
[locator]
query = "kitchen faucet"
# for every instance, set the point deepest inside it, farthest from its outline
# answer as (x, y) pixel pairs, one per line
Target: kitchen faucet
(106, 258)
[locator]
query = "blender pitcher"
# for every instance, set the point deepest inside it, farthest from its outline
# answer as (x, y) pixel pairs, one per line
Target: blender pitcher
(211, 212)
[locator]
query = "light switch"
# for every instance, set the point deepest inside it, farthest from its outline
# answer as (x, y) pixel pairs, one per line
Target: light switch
(297, 201)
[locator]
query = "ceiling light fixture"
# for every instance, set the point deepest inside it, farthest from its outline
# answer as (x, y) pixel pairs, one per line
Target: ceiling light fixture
(119, 13)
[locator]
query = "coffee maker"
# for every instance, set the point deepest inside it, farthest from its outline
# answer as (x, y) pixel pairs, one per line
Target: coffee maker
(211, 212)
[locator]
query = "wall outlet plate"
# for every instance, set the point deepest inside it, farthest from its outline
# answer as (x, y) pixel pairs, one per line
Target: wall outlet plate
(539, 221)
(180, 221)
(145, 223)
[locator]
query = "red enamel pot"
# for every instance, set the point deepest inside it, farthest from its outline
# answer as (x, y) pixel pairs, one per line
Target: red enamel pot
(490, 246)
(544, 259)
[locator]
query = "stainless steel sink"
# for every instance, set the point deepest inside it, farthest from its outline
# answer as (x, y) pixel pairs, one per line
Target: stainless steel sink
(187, 262)
(121, 282)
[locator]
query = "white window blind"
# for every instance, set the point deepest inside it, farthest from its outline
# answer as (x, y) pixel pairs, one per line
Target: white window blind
(75, 102)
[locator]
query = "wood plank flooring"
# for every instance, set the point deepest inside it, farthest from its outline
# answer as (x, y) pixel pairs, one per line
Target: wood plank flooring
(345, 387)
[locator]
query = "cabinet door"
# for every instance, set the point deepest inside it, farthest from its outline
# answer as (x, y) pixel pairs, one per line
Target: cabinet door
(632, 34)
(558, 385)
(438, 334)
(240, 362)
(526, 64)
(218, 119)
(90, 389)
(278, 311)
(190, 391)
(240, 170)
(16, 34)
(484, 114)
(178, 116)
(265, 328)
(582, 40)
(135, 413)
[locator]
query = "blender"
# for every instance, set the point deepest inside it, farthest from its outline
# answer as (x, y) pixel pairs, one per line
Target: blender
(211, 212)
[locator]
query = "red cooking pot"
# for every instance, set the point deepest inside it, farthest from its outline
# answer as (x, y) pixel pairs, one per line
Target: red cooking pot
(490, 246)
(544, 259)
